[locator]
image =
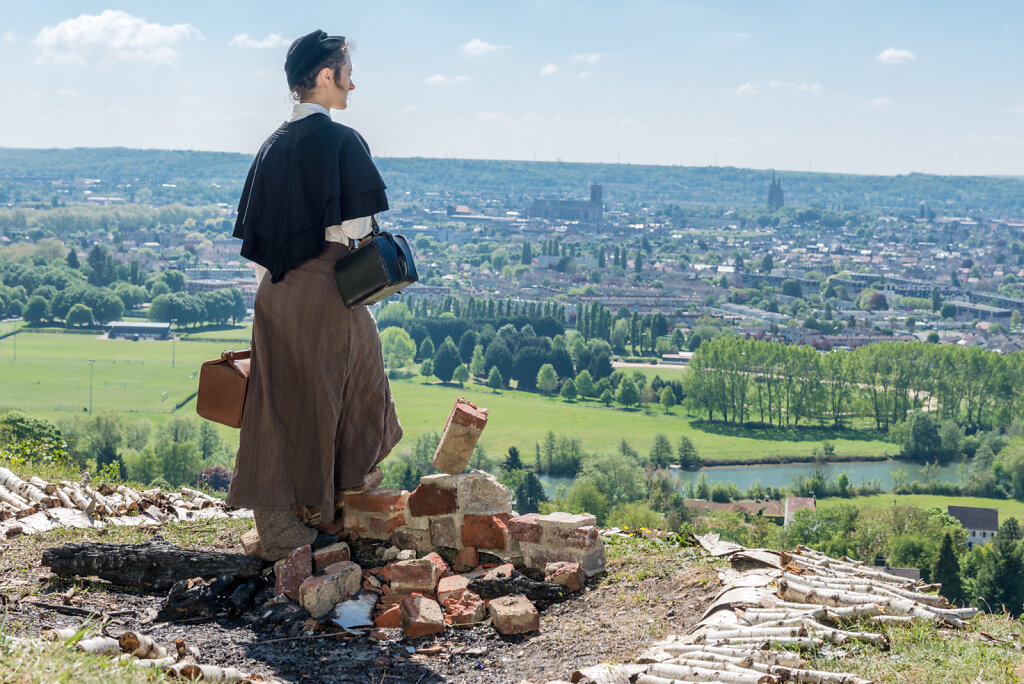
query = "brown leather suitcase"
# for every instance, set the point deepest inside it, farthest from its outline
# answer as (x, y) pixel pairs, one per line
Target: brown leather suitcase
(222, 386)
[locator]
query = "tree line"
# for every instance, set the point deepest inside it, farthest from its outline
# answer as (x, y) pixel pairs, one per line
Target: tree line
(740, 380)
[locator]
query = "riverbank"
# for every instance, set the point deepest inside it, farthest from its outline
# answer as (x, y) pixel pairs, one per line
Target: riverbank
(779, 459)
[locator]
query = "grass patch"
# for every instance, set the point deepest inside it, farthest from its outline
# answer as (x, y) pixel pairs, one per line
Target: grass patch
(922, 653)
(42, 663)
(523, 418)
(1008, 508)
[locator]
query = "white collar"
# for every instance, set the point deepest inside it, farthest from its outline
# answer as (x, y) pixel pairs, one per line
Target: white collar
(303, 109)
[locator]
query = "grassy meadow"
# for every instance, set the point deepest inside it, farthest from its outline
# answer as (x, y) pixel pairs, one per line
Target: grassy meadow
(50, 378)
(1008, 508)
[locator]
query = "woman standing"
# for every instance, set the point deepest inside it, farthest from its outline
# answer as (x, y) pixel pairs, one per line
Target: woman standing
(319, 415)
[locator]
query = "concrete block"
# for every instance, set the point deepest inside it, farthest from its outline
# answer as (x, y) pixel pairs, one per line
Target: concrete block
(445, 530)
(480, 493)
(320, 593)
(514, 615)
(407, 539)
(251, 544)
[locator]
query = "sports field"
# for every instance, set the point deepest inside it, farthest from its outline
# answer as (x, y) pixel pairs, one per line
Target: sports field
(1006, 507)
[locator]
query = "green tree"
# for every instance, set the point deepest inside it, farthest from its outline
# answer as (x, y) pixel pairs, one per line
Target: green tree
(585, 383)
(606, 397)
(494, 379)
(667, 398)
(547, 379)
(585, 497)
(627, 393)
(209, 441)
(427, 368)
(936, 299)
(72, 259)
(478, 365)
(461, 374)
(79, 314)
(426, 350)
(103, 439)
(397, 346)
(569, 390)
(947, 571)
(660, 455)
(766, 264)
(530, 494)
(527, 254)
(446, 360)
(634, 515)
(178, 449)
(686, 454)
(948, 311)
(36, 311)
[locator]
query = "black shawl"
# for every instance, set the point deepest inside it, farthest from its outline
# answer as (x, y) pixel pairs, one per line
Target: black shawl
(310, 174)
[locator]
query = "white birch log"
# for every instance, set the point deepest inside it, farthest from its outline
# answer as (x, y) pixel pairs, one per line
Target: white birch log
(60, 634)
(703, 674)
(771, 657)
(840, 637)
(818, 676)
(12, 499)
(76, 496)
(758, 632)
(141, 646)
(22, 488)
(867, 586)
(99, 645)
(721, 666)
(42, 485)
(790, 590)
(64, 499)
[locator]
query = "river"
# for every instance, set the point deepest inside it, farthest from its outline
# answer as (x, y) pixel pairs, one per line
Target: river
(782, 474)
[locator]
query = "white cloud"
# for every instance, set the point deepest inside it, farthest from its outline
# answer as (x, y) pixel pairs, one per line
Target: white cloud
(588, 57)
(583, 74)
(751, 88)
(881, 102)
(1016, 108)
(69, 93)
(740, 35)
(9, 37)
(549, 70)
(442, 80)
(895, 56)
(477, 47)
(405, 111)
(113, 36)
(273, 40)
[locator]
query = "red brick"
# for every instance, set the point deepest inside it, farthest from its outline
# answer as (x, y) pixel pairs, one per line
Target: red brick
(444, 531)
(389, 618)
(466, 608)
(569, 575)
(485, 531)
(290, 572)
(452, 586)
(414, 575)
(384, 525)
(417, 540)
(431, 499)
(420, 616)
(436, 559)
(525, 528)
(329, 555)
(377, 501)
(461, 433)
(466, 559)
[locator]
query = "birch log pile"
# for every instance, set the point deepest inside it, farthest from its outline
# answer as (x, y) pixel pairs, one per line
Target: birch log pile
(35, 505)
(805, 601)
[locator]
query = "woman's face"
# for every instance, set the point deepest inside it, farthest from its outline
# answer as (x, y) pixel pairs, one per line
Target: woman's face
(337, 92)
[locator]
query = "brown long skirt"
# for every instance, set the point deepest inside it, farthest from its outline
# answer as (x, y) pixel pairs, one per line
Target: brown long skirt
(319, 412)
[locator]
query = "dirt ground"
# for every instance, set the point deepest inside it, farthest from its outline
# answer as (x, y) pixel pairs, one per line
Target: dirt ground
(643, 597)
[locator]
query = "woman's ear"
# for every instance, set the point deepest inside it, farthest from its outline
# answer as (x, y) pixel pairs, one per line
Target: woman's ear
(326, 76)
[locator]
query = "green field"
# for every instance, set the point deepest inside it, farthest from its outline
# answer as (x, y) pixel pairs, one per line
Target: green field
(51, 378)
(1007, 508)
(522, 419)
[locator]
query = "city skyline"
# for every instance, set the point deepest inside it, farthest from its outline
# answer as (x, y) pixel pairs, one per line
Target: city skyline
(800, 86)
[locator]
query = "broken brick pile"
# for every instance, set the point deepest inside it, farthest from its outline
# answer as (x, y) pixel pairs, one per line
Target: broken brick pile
(422, 596)
(469, 514)
(473, 510)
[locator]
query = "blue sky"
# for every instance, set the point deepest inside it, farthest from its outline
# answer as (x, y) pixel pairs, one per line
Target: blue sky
(863, 87)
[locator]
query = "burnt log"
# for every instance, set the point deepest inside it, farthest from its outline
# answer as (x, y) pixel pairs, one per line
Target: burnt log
(155, 564)
(518, 583)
